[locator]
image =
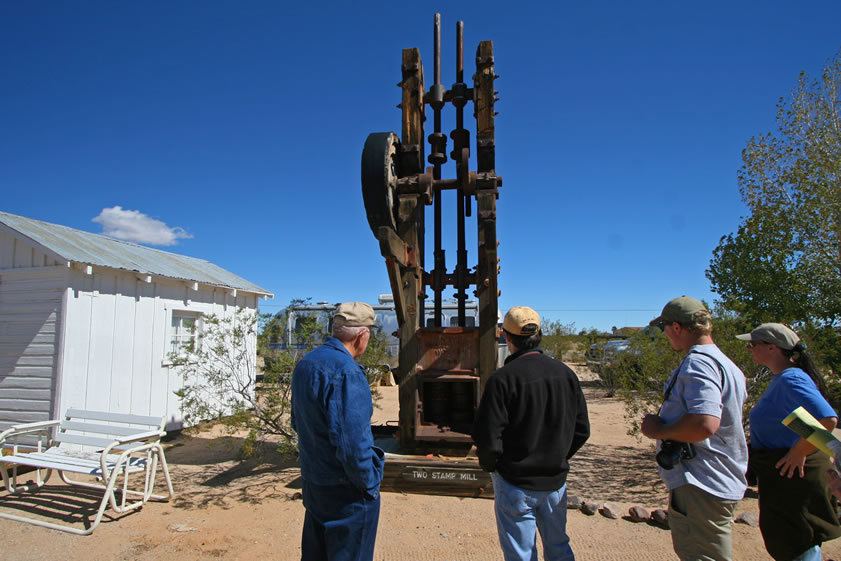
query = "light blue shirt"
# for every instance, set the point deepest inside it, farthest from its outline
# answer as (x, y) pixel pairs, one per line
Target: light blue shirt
(722, 459)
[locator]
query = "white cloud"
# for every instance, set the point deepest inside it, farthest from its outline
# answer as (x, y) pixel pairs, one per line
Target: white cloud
(134, 226)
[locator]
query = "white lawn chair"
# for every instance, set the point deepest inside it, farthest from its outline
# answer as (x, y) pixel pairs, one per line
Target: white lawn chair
(108, 446)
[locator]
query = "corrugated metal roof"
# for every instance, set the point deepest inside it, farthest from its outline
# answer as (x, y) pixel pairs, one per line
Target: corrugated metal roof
(98, 250)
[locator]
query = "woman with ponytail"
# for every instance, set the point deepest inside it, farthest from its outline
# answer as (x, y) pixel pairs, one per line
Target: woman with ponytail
(796, 510)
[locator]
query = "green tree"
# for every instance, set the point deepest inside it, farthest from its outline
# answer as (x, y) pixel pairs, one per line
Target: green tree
(784, 261)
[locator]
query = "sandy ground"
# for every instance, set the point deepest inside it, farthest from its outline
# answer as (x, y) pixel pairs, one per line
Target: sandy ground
(227, 510)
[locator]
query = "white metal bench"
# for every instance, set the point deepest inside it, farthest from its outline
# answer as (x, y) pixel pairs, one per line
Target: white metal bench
(107, 446)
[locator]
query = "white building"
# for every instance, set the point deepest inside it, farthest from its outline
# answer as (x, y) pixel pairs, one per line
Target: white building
(87, 321)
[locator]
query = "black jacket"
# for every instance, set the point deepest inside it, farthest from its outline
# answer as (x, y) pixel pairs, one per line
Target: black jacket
(532, 418)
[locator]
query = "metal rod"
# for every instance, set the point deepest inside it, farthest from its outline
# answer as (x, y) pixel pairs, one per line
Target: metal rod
(461, 257)
(440, 259)
(460, 69)
(437, 46)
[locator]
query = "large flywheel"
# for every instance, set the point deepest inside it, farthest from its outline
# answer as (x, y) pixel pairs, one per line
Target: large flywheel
(379, 179)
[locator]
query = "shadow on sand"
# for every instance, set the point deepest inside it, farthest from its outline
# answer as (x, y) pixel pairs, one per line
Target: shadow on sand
(615, 473)
(207, 471)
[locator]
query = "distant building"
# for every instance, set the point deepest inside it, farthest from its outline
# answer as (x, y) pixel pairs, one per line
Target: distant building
(626, 331)
(87, 321)
(386, 321)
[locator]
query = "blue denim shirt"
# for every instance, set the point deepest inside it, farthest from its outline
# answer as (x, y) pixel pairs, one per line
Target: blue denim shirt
(331, 412)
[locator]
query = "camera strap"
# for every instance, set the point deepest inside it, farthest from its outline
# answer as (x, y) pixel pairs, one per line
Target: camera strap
(677, 371)
(717, 363)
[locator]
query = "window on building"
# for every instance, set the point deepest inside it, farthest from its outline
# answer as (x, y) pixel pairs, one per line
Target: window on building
(311, 328)
(184, 332)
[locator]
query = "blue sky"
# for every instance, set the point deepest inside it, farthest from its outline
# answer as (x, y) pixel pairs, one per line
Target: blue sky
(233, 131)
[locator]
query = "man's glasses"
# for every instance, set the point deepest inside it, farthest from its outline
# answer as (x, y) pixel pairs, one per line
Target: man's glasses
(661, 325)
(754, 344)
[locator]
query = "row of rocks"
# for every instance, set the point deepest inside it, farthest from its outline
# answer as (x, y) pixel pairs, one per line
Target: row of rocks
(658, 517)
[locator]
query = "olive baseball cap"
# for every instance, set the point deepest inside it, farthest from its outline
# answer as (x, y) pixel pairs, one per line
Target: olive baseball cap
(774, 333)
(521, 320)
(681, 310)
(354, 314)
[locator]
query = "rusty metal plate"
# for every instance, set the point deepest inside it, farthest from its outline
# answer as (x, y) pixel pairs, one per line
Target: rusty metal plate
(448, 349)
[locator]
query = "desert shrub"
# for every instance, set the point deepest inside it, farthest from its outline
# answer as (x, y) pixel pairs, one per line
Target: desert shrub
(221, 381)
(640, 375)
(219, 372)
(561, 342)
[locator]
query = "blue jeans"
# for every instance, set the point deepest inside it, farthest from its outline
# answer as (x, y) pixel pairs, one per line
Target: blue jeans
(340, 523)
(811, 554)
(520, 512)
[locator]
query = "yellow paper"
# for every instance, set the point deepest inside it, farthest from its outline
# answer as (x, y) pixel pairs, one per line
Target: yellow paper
(804, 424)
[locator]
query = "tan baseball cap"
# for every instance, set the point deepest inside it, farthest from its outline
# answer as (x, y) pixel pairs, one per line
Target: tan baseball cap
(521, 320)
(774, 333)
(681, 310)
(354, 314)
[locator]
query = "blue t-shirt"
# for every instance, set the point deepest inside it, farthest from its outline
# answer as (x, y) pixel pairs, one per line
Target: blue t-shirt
(787, 391)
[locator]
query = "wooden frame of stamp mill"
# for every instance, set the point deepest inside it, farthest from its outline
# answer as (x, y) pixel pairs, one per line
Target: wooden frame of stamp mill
(442, 368)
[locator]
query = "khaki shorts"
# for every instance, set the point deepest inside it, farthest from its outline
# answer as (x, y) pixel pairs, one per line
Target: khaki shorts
(700, 524)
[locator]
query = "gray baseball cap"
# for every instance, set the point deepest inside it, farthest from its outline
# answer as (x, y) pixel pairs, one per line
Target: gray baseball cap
(774, 333)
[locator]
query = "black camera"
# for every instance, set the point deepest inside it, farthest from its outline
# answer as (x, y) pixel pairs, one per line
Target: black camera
(673, 452)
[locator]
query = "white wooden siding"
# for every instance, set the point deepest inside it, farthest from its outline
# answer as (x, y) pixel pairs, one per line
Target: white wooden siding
(30, 308)
(115, 359)
(143, 356)
(16, 253)
(92, 341)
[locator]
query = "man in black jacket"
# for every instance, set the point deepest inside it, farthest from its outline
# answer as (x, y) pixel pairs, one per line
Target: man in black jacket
(531, 420)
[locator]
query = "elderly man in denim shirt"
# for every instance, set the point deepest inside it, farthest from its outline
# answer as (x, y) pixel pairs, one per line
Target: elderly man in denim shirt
(340, 466)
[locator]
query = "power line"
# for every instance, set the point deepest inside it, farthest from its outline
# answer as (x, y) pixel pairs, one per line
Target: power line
(595, 310)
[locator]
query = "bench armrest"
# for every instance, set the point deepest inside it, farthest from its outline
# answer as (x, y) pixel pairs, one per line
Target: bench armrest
(149, 435)
(27, 428)
(36, 425)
